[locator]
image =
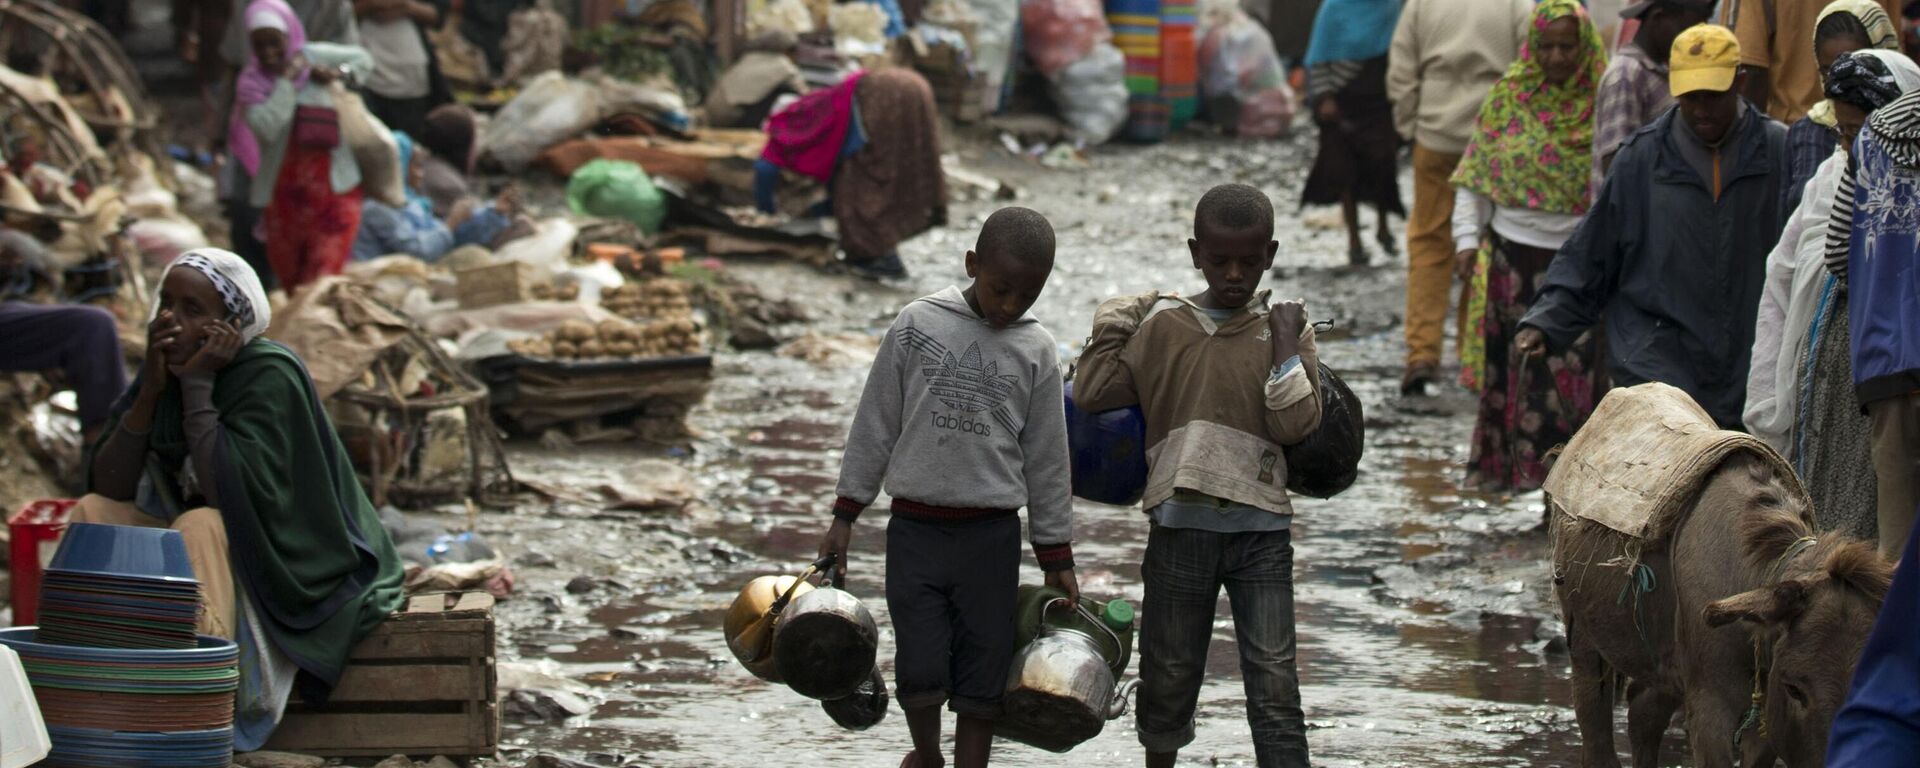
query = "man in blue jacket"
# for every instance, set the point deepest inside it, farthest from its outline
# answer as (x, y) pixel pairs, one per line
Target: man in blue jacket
(1673, 255)
(1873, 245)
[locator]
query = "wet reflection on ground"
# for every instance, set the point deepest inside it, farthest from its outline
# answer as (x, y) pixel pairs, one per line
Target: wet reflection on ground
(1427, 636)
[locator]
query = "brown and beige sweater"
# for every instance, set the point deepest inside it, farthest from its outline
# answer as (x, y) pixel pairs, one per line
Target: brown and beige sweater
(1217, 414)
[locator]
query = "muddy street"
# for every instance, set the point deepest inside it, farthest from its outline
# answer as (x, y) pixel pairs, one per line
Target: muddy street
(1427, 633)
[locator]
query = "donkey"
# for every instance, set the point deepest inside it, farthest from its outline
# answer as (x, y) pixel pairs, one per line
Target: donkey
(1700, 625)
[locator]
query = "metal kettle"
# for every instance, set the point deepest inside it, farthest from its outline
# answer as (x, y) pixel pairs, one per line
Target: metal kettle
(755, 613)
(1060, 692)
(826, 642)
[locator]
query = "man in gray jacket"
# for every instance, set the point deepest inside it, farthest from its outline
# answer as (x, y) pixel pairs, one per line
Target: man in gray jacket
(1673, 255)
(1446, 54)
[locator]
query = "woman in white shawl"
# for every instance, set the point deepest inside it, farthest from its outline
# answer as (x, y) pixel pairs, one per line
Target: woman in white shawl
(224, 439)
(1797, 295)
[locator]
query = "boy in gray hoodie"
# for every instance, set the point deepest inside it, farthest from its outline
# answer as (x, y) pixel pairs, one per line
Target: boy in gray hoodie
(964, 422)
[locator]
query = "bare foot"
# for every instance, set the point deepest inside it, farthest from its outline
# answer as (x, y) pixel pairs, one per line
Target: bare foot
(912, 760)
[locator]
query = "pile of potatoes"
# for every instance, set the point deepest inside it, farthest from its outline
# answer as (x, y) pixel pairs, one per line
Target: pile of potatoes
(614, 339)
(661, 298)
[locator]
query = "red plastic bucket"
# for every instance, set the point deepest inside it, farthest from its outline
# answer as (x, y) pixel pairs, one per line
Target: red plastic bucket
(35, 533)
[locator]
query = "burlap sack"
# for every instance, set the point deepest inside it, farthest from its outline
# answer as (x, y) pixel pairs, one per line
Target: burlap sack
(1642, 458)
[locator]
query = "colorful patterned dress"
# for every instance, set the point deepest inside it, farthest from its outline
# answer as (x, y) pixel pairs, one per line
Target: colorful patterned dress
(1531, 149)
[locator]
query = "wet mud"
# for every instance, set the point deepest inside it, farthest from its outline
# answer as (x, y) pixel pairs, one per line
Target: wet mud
(1427, 633)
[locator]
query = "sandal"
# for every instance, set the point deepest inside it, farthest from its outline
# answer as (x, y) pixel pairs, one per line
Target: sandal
(1418, 376)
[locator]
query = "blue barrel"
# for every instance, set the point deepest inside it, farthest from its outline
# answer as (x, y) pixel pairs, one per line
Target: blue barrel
(1109, 453)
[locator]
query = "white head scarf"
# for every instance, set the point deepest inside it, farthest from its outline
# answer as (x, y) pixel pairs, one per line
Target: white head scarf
(1906, 74)
(262, 18)
(239, 287)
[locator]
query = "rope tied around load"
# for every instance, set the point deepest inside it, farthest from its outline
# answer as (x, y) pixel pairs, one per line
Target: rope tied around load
(1640, 581)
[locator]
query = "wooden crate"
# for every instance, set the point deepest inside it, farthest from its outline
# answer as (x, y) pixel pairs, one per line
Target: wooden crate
(508, 282)
(422, 684)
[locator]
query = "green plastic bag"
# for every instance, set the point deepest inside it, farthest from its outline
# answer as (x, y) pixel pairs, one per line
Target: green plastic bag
(617, 189)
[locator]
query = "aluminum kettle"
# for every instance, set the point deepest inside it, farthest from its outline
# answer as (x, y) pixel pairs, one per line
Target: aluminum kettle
(1060, 692)
(826, 642)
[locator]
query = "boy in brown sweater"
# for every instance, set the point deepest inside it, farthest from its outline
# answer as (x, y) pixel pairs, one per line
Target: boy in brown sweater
(1224, 379)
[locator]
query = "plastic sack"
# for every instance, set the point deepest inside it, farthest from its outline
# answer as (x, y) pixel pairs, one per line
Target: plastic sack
(550, 109)
(1057, 33)
(535, 39)
(993, 48)
(374, 148)
(1107, 453)
(790, 16)
(160, 241)
(1328, 461)
(617, 189)
(1092, 94)
(1238, 62)
(859, 29)
(547, 248)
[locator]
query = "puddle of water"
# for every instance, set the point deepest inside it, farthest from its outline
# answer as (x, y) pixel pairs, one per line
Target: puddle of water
(1420, 609)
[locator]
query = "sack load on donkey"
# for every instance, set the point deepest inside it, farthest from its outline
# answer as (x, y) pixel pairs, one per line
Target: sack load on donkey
(1685, 561)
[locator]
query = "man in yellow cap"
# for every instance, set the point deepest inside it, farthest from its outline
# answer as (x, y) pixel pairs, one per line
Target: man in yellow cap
(1672, 257)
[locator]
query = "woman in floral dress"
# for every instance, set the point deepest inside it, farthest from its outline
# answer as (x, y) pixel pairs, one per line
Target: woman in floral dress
(1520, 191)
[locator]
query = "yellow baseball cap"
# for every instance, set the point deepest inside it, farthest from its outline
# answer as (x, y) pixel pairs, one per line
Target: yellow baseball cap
(1705, 58)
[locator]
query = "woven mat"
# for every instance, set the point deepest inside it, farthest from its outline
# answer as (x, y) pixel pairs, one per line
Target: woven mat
(1643, 457)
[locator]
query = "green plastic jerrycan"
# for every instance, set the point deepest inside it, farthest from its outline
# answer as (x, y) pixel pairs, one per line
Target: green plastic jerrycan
(1035, 609)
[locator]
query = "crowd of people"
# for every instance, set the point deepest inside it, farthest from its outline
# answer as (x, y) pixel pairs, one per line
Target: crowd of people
(1728, 208)
(296, 203)
(1650, 216)
(1725, 208)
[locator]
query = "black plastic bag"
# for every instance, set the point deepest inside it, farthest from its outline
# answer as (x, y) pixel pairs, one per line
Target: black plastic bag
(1328, 461)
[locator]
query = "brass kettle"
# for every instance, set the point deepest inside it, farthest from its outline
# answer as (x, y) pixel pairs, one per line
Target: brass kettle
(755, 612)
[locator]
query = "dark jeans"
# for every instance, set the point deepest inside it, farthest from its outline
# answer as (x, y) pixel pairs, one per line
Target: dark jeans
(950, 591)
(81, 341)
(1184, 571)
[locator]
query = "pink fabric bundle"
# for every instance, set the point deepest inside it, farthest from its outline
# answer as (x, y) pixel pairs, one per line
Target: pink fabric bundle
(806, 137)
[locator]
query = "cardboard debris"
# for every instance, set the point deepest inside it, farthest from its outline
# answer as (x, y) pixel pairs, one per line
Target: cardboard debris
(650, 484)
(835, 350)
(338, 330)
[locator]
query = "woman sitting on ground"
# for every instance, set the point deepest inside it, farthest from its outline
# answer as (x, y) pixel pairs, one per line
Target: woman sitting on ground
(452, 141)
(223, 439)
(415, 230)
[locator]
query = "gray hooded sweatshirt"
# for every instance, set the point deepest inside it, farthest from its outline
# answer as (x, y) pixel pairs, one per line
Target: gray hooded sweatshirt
(959, 420)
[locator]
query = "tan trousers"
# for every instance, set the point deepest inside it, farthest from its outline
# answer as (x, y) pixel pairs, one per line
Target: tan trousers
(1896, 460)
(206, 536)
(1429, 254)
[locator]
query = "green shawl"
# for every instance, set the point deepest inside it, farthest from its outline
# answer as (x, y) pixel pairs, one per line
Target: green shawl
(1533, 145)
(306, 544)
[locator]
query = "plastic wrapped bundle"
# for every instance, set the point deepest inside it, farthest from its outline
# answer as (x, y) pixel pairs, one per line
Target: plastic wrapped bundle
(1092, 94)
(1238, 62)
(1057, 33)
(617, 189)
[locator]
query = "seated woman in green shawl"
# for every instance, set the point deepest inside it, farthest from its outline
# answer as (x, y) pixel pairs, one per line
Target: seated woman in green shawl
(223, 439)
